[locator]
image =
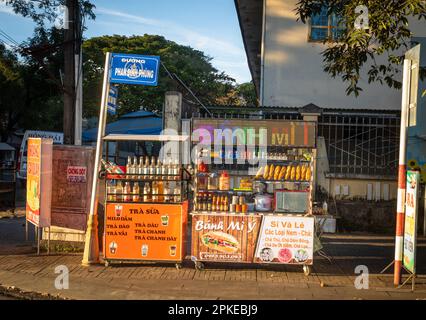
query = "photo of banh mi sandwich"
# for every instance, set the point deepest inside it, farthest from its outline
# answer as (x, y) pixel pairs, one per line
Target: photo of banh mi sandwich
(220, 241)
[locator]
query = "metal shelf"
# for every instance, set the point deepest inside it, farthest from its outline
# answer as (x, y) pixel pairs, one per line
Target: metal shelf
(141, 137)
(282, 181)
(224, 191)
(146, 202)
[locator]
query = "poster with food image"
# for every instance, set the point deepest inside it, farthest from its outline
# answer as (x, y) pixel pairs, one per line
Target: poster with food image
(286, 239)
(39, 179)
(224, 237)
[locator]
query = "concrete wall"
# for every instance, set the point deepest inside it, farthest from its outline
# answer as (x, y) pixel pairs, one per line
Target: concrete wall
(357, 189)
(293, 69)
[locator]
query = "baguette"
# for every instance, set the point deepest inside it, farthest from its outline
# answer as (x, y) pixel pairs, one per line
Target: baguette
(303, 173)
(282, 173)
(259, 172)
(271, 172)
(277, 172)
(293, 173)
(266, 172)
(287, 173)
(298, 171)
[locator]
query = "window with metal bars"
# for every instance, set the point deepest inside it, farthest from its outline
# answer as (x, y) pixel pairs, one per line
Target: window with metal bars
(325, 27)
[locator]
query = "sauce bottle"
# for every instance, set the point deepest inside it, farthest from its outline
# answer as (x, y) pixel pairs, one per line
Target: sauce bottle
(224, 181)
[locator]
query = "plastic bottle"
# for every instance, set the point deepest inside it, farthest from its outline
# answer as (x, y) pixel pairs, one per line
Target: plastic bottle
(224, 181)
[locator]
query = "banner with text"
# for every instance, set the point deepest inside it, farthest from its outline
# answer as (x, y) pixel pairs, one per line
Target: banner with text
(145, 231)
(224, 237)
(411, 209)
(286, 239)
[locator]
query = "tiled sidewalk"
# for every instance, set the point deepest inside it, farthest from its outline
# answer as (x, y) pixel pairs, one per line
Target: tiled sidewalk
(327, 281)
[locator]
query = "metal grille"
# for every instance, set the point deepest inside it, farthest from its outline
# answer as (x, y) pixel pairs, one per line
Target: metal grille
(361, 143)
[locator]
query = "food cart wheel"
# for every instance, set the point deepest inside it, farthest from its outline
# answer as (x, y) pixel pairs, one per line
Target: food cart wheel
(106, 263)
(307, 270)
(199, 265)
(178, 266)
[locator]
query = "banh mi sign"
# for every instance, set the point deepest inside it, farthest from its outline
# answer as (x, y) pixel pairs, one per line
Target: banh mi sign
(224, 237)
(269, 132)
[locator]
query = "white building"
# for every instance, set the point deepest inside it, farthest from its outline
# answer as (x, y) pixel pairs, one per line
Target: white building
(285, 59)
(360, 134)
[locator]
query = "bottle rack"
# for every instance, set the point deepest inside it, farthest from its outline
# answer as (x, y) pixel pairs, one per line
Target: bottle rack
(181, 182)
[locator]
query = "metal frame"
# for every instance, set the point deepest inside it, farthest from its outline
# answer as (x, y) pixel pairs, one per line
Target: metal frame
(358, 142)
(361, 144)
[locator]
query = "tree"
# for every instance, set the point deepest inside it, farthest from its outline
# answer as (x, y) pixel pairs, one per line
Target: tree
(387, 37)
(28, 99)
(193, 67)
(247, 93)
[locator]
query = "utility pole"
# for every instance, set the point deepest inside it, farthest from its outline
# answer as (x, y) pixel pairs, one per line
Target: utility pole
(69, 72)
(78, 78)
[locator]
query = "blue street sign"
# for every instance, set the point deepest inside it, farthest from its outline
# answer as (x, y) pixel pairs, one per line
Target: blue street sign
(134, 69)
(112, 100)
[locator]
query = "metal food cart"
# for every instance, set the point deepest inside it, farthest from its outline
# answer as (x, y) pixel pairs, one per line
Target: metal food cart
(148, 223)
(262, 213)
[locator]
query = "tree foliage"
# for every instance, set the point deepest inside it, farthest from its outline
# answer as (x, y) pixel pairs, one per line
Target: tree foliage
(192, 66)
(28, 100)
(43, 11)
(379, 49)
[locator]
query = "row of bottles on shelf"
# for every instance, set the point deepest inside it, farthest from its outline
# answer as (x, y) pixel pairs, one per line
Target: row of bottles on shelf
(295, 154)
(210, 202)
(152, 169)
(158, 191)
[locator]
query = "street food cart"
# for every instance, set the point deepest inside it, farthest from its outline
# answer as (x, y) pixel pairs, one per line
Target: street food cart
(254, 182)
(146, 203)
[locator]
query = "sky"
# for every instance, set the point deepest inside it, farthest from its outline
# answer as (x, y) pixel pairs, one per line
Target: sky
(205, 25)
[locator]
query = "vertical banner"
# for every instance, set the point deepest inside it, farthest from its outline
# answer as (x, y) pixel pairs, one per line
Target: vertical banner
(286, 239)
(39, 181)
(410, 228)
(33, 180)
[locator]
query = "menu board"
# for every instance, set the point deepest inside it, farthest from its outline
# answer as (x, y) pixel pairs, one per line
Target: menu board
(145, 231)
(286, 239)
(224, 237)
(71, 188)
(39, 180)
(411, 208)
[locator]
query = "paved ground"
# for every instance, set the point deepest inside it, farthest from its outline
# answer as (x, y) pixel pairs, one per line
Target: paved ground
(21, 268)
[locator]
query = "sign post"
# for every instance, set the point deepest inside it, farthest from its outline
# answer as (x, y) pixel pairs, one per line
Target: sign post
(91, 244)
(125, 69)
(112, 100)
(410, 227)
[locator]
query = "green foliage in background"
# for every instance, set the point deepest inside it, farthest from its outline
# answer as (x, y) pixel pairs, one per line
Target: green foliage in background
(379, 50)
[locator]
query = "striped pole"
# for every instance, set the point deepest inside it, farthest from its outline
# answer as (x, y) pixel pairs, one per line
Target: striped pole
(400, 207)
